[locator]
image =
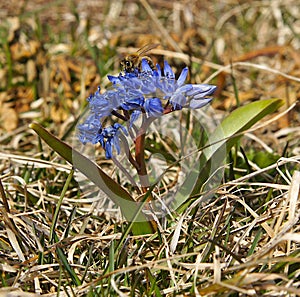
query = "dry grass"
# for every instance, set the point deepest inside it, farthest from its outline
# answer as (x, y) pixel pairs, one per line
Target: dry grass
(243, 242)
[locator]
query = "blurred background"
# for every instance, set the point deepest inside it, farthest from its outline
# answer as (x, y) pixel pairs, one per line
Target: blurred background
(54, 54)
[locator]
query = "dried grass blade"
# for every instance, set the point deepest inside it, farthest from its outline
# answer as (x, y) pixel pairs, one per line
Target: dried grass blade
(14, 243)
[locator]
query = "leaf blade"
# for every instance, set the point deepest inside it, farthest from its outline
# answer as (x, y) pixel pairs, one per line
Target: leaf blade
(93, 172)
(221, 141)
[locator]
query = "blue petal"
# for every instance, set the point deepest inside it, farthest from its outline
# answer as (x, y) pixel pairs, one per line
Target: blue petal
(133, 103)
(101, 140)
(116, 143)
(196, 104)
(133, 83)
(89, 129)
(166, 85)
(113, 79)
(201, 90)
(158, 70)
(178, 99)
(108, 132)
(108, 149)
(185, 88)
(148, 85)
(109, 138)
(145, 66)
(153, 107)
(134, 116)
(182, 77)
(156, 74)
(176, 106)
(168, 71)
(118, 126)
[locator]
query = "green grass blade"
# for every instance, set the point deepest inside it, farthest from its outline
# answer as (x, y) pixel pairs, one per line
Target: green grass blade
(67, 266)
(57, 209)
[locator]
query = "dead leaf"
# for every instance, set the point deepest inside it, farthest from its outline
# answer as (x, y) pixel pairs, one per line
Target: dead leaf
(24, 50)
(31, 70)
(58, 114)
(14, 25)
(21, 97)
(8, 118)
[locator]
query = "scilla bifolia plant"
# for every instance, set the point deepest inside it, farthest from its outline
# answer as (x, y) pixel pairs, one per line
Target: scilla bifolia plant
(138, 97)
(119, 118)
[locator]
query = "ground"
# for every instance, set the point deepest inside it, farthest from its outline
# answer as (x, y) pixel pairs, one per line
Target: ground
(243, 240)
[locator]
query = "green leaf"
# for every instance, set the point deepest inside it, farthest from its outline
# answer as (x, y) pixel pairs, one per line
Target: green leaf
(64, 261)
(264, 159)
(241, 119)
(221, 141)
(94, 173)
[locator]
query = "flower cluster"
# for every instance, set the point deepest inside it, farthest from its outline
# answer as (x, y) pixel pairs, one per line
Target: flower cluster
(149, 92)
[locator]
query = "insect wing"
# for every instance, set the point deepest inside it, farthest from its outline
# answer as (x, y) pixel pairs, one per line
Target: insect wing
(146, 48)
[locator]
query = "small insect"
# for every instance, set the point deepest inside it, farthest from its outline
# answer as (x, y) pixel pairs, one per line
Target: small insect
(134, 61)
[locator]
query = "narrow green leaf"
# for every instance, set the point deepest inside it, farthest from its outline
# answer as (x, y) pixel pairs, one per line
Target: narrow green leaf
(57, 209)
(111, 265)
(153, 280)
(67, 266)
(94, 173)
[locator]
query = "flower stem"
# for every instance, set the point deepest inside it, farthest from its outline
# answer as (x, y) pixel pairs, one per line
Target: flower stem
(140, 156)
(140, 159)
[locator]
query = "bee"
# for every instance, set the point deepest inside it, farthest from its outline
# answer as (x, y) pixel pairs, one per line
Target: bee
(134, 61)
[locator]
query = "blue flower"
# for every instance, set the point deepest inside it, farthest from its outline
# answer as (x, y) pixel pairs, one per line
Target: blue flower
(88, 131)
(149, 92)
(109, 138)
(193, 96)
(153, 107)
(103, 104)
(132, 103)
